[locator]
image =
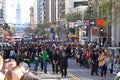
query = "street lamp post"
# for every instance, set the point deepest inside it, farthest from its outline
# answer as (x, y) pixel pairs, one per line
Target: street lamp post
(82, 9)
(89, 28)
(82, 22)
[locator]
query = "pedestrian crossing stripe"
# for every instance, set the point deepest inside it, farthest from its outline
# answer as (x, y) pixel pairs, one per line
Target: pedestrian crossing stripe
(73, 76)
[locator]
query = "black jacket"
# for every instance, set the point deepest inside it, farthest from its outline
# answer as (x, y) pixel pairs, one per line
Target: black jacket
(63, 60)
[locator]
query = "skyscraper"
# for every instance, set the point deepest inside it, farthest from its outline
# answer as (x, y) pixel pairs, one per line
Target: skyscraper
(18, 26)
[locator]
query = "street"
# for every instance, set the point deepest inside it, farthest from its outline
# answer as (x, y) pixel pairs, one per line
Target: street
(75, 72)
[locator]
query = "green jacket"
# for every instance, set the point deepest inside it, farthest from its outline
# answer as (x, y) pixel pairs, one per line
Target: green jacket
(45, 56)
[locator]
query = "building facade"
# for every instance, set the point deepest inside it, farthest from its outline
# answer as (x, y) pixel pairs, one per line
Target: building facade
(2, 12)
(32, 17)
(18, 25)
(36, 20)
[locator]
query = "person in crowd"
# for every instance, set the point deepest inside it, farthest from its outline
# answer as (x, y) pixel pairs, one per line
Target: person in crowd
(77, 54)
(81, 59)
(14, 74)
(12, 53)
(55, 61)
(25, 57)
(111, 62)
(103, 62)
(68, 49)
(24, 66)
(18, 56)
(45, 59)
(86, 57)
(30, 76)
(52, 58)
(63, 63)
(1, 62)
(117, 62)
(1, 65)
(41, 61)
(94, 62)
(17, 72)
(6, 53)
(8, 64)
(36, 61)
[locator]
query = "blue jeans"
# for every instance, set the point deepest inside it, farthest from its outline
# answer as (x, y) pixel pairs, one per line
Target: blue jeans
(36, 67)
(45, 67)
(103, 70)
(86, 64)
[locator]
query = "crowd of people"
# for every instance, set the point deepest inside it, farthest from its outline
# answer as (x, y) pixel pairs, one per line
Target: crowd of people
(91, 56)
(38, 54)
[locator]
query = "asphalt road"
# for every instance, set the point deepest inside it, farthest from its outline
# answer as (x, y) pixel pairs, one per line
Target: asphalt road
(75, 72)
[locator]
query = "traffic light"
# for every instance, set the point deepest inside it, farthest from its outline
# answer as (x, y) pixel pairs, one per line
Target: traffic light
(101, 32)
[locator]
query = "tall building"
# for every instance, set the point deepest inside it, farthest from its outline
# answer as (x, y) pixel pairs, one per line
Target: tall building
(41, 11)
(2, 16)
(2, 12)
(38, 12)
(65, 6)
(32, 17)
(45, 11)
(54, 10)
(18, 26)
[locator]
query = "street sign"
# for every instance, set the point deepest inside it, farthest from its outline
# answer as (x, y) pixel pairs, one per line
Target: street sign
(86, 22)
(92, 22)
(79, 23)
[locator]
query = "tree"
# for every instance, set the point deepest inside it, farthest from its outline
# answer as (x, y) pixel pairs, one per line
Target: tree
(41, 28)
(106, 8)
(73, 17)
(12, 30)
(6, 27)
(28, 30)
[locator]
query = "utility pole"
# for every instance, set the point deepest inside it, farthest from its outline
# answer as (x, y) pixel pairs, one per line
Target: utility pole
(110, 25)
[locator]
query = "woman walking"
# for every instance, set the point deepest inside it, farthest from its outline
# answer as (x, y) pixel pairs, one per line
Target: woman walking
(103, 62)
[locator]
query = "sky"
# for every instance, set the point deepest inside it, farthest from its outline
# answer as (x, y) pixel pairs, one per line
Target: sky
(11, 10)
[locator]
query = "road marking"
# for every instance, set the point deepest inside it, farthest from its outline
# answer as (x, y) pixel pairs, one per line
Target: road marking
(73, 76)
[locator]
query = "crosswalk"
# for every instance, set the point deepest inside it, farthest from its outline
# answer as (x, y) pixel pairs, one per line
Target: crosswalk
(51, 76)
